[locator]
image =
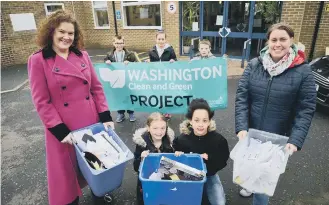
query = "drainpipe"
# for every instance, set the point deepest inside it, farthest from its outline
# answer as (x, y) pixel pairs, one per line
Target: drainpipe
(115, 19)
(73, 8)
(316, 30)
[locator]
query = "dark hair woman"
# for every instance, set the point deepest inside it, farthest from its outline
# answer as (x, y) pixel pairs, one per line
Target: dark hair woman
(276, 93)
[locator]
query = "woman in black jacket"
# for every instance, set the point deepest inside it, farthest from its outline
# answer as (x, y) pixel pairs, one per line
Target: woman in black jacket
(276, 93)
(156, 137)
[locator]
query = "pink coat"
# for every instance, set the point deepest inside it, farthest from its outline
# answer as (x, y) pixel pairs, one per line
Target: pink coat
(64, 91)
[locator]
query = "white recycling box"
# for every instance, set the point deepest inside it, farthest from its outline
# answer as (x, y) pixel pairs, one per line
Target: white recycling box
(259, 160)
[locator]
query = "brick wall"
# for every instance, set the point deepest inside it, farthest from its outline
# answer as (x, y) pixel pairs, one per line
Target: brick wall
(17, 46)
(323, 34)
(171, 26)
(308, 26)
(292, 14)
(94, 37)
(145, 39)
(135, 38)
(302, 17)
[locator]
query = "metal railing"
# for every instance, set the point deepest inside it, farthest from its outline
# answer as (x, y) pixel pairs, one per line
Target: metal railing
(192, 47)
(244, 51)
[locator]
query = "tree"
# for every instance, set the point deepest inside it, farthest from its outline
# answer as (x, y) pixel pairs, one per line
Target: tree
(270, 10)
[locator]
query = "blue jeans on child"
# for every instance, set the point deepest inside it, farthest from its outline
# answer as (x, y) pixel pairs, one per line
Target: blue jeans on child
(214, 190)
(260, 199)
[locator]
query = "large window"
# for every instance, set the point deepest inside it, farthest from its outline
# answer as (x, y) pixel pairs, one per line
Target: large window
(266, 14)
(101, 18)
(52, 7)
(142, 14)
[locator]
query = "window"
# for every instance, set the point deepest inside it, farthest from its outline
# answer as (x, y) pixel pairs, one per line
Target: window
(52, 7)
(266, 14)
(142, 14)
(101, 18)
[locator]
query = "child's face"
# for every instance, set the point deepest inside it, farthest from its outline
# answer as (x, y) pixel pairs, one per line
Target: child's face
(161, 39)
(204, 50)
(200, 122)
(118, 44)
(157, 129)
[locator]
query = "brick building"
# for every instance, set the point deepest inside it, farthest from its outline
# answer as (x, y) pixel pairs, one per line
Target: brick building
(230, 26)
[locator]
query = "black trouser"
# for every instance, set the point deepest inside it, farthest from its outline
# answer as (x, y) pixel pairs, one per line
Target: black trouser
(139, 193)
(75, 202)
(123, 111)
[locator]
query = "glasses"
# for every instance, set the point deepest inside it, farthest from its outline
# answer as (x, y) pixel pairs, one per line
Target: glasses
(119, 43)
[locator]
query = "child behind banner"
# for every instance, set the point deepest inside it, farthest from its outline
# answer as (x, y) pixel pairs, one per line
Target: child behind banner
(162, 51)
(198, 135)
(156, 137)
(204, 51)
(120, 54)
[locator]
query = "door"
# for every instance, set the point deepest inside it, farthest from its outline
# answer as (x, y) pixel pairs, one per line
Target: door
(212, 19)
(238, 28)
(227, 25)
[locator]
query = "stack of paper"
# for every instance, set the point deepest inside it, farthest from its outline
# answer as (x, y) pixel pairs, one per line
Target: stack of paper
(258, 165)
(172, 170)
(101, 145)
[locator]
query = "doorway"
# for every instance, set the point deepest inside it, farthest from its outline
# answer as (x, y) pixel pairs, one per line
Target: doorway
(237, 29)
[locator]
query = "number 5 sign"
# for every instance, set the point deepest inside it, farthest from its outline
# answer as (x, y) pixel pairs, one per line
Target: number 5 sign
(172, 7)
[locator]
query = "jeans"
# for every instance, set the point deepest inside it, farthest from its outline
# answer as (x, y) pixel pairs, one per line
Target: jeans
(214, 190)
(260, 199)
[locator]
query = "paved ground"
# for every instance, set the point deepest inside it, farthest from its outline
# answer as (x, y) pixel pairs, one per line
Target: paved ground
(23, 158)
(13, 77)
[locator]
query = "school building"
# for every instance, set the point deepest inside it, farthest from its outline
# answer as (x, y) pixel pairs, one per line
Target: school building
(235, 28)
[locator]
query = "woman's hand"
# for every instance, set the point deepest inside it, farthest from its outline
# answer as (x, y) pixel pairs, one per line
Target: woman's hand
(172, 60)
(178, 153)
(291, 148)
(145, 154)
(126, 62)
(204, 156)
(108, 62)
(108, 124)
(242, 134)
(68, 139)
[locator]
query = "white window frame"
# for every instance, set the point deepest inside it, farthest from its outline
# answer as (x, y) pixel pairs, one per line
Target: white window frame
(94, 16)
(140, 3)
(52, 4)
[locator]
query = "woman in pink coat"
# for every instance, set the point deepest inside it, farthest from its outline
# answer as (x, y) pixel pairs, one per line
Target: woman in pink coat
(67, 96)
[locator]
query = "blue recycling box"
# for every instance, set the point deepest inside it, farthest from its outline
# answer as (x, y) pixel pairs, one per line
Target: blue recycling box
(158, 192)
(103, 181)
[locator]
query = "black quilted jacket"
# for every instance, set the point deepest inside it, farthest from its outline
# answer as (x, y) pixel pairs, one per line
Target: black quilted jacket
(167, 55)
(284, 104)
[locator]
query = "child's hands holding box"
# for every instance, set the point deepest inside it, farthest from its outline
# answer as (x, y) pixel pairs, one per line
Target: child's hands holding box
(178, 153)
(204, 156)
(145, 153)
